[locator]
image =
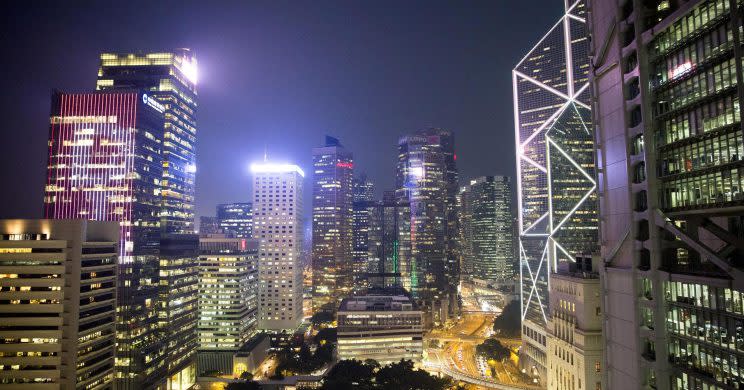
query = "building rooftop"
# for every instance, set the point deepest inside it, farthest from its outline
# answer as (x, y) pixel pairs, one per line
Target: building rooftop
(378, 303)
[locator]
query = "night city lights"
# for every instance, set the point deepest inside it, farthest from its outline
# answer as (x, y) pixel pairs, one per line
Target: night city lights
(378, 195)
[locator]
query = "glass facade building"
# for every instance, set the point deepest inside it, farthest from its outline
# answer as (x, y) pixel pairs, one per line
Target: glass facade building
(486, 218)
(556, 186)
(426, 179)
(669, 136)
(170, 79)
(332, 262)
(389, 244)
(236, 219)
(363, 194)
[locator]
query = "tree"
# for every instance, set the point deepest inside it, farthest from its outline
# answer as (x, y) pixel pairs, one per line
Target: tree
(508, 323)
(493, 349)
(246, 376)
(349, 374)
(402, 376)
(322, 317)
(326, 335)
(247, 385)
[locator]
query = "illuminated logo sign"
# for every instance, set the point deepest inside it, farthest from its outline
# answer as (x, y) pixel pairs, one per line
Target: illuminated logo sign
(680, 70)
(347, 165)
(152, 103)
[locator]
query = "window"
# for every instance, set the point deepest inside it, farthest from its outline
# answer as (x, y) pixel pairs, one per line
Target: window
(597, 367)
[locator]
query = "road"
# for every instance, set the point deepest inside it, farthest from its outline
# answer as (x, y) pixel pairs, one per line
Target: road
(457, 358)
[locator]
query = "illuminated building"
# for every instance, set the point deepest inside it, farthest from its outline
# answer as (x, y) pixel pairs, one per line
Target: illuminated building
(105, 163)
(236, 219)
(170, 79)
(208, 225)
(178, 314)
(487, 243)
(575, 344)
(556, 186)
(667, 79)
(332, 262)
(278, 224)
(389, 243)
(363, 192)
(386, 328)
(58, 282)
(228, 299)
(427, 180)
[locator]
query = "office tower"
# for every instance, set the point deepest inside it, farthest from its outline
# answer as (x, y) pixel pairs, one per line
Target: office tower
(236, 219)
(385, 328)
(105, 163)
(487, 242)
(389, 243)
(332, 263)
(178, 314)
(363, 189)
(208, 226)
(667, 83)
(169, 79)
(427, 180)
(278, 224)
(58, 282)
(575, 343)
(363, 194)
(228, 300)
(555, 168)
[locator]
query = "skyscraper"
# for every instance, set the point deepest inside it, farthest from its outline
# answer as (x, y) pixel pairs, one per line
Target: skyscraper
(556, 187)
(487, 243)
(427, 180)
(58, 282)
(363, 195)
(278, 224)
(170, 79)
(228, 299)
(105, 163)
(668, 87)
(236, 219)
(389, 243)
(209, 225)
(332, 263)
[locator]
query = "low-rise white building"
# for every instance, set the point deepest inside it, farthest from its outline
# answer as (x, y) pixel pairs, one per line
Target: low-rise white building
(386, 328)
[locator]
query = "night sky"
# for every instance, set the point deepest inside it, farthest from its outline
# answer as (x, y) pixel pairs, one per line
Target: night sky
(279, 75)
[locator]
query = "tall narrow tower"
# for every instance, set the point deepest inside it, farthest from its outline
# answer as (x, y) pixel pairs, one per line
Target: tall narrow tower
(332, 261)
(427, 180)
(170, 79)
(555, 168)
(278, 225)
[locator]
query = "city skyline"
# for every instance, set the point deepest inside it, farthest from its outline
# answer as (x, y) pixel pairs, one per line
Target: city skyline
(236, 126)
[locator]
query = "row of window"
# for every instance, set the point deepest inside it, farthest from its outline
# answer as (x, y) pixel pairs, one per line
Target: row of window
(695, 20)
(723, 149)
(702, 119)
(716, 79)
(708, 189)
(688, 58)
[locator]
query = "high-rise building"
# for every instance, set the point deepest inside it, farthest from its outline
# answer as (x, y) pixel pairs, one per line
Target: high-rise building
(667, 79)
(236, 219)
(58, 281)
(386, 328)
(178, 314)
(556, 190)
(105, 163)
(487, 242)
(209, 225)
(170, 80)
(427, 180)
(228, 300)
(389, 243)
(332, 263)
(278, 224)
(575, 343)
(363, 194)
